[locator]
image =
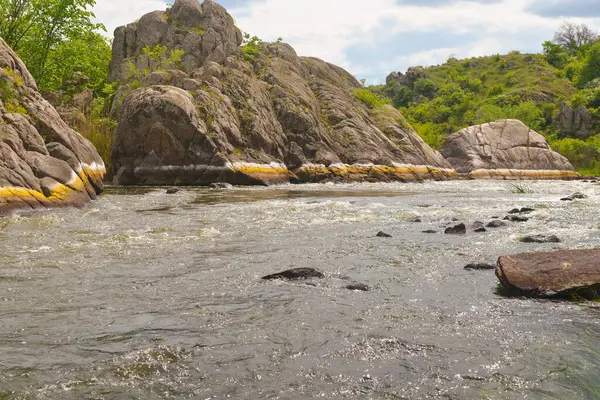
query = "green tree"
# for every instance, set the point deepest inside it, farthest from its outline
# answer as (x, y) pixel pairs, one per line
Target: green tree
(591, 66)
(89, 55)
(36, 28)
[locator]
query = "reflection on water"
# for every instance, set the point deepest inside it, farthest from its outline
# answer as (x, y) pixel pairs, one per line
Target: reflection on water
(144, 295)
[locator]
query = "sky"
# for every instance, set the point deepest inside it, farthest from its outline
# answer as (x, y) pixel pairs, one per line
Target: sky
(373, 38)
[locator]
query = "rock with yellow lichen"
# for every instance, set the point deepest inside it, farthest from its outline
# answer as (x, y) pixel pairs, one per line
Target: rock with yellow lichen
(251, 114)
(43, 162)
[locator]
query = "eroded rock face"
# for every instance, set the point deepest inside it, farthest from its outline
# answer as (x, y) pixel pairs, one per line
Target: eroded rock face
(43, 162)
(273, 117)
(561, 273)
(505, 149)
(574, 122)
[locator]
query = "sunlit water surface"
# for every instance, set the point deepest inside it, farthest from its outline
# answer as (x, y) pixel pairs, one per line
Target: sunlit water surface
(144, 295)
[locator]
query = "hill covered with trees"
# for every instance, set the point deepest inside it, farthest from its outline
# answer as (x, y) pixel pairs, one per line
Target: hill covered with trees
(556, 93)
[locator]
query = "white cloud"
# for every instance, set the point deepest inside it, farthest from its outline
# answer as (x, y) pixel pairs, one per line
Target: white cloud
(114, 13)
(334, 29)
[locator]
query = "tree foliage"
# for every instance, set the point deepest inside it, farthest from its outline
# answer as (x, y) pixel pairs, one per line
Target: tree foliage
(36, 29)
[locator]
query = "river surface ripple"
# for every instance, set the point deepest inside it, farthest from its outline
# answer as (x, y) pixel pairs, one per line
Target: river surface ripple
(144, 295)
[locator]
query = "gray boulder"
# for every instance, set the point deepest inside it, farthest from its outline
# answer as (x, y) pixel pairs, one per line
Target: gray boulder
(505, 149)
(269, 117)
(43, 162)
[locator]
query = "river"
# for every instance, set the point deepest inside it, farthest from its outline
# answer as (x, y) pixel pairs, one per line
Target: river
(144, 295)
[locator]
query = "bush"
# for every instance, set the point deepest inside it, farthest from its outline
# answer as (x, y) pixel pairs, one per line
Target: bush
(369, 98)
(432, 134)
(425, 87)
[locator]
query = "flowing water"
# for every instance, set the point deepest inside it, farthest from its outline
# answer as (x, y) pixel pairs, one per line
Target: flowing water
(144, 295)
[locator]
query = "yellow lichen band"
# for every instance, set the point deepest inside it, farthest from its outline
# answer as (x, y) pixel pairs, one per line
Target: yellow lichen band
(520, 174)
(60, 194)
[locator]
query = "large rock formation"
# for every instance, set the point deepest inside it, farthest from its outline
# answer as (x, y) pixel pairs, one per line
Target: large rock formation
(43, 162)
(561, 273)
(505, 149)
(574, 122)
(261, 116)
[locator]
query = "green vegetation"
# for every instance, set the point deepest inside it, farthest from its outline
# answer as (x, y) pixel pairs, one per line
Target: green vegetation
(440, 100)
(369, 98)
(250, 47)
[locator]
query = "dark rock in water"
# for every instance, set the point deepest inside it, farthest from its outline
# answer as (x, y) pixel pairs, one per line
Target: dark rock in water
(573, 274)
(416, 220)
(359, 287)
(541, 239)
(221, 185)
(383, 235)
(516, 218)
(524, 210)
(172, 191)
(480, 266)
(295, 274)
(430, 231)
(496, 224)
(459, 229)
(478, 227)
(574, 196)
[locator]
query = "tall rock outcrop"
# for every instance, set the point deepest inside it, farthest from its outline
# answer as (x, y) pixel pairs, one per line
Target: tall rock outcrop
(259, 116)
(505, 149)
(43, 162)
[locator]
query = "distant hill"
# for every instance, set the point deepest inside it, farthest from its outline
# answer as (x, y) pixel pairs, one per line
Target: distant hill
(443, 99)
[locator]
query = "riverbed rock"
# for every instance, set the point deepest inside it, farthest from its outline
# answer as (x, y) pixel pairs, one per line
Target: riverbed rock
(574, 196)
(496, 224)
(480, 266)
(43, 162)
(459, 229)
(516, 218)
(541, 239)
(383, 235)
(505, 149)
(248, 119)
(221, 185)
(361, 287)
(295, 274)
(564, 273)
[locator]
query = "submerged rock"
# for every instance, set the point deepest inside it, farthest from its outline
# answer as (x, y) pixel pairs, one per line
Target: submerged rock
(274, 117)
(430, 231)
(221, 185)
(358, 287)
(383, 235)
(574, 196)
(505, 149)
(516, 218)
(496, 224)
(573, 273)
(541, 239)
(43, 162)
(480, 266)
(295, 274)
(173, 191)
(459, 229)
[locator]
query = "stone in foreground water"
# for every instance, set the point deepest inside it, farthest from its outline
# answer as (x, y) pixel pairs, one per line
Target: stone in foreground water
(295, 274)
(574, 273)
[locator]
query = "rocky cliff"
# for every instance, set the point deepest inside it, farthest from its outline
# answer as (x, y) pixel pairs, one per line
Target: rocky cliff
(43, 162)
(195, 108)
(505, 149)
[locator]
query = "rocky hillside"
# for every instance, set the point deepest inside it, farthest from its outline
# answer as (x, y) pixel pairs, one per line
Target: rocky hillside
(199, 104)
(43, 162)
(443, 99)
